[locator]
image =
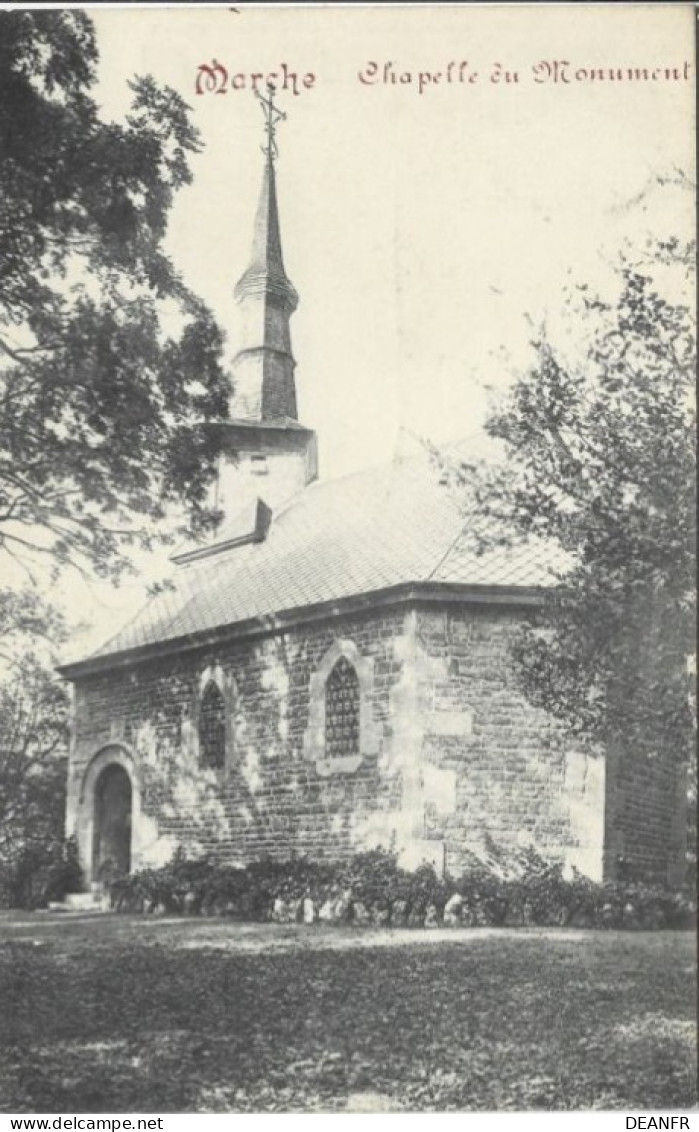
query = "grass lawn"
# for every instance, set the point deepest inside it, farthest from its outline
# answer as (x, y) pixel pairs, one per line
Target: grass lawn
(138, 1014)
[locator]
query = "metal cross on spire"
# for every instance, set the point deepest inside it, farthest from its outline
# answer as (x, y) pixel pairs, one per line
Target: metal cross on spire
(272, 116)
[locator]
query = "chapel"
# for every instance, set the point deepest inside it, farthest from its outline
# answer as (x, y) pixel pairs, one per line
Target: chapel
(332, 671)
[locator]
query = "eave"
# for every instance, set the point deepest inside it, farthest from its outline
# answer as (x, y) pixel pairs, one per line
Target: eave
(412, 593)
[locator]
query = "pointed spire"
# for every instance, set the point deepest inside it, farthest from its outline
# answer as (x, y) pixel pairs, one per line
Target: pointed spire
(263, 368)
(265, 272)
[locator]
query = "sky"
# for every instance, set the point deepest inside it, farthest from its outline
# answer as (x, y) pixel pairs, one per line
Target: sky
(426, 223)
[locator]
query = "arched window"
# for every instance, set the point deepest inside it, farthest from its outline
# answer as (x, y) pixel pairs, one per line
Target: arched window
(341, 729)
(342, 711)
(212, 727)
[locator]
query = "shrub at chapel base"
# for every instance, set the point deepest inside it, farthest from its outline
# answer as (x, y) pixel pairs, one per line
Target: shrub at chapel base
(371, 888)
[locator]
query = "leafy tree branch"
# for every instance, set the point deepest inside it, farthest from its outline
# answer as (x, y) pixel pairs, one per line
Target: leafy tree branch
(103, 407)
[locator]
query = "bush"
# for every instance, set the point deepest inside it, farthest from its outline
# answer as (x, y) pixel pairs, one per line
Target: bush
(172, 888)
(374, 880)
(64, 874)
(226, 891)
(42, 873)
(372, 887)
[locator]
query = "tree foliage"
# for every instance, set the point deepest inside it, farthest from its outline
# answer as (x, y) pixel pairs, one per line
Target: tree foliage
(108, 364)
(33, 744)
(600, 465)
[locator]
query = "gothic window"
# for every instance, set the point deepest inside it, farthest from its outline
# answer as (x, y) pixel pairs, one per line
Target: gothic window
(342, 711)
(212, 727)
(341, 730)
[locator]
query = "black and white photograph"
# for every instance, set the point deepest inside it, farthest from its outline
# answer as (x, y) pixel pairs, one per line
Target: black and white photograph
(347, 561)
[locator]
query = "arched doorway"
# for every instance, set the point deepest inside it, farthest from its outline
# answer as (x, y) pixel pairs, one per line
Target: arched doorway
(111, 845)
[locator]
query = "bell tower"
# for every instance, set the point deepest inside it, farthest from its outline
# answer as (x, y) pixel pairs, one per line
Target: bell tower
(272, 455)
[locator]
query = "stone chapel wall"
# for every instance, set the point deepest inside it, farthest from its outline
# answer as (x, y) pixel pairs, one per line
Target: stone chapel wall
(269, 799)
(496, 769)
(452, 756)
(646, 818)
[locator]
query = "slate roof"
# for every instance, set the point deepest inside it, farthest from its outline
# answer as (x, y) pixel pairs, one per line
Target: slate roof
(358, 535)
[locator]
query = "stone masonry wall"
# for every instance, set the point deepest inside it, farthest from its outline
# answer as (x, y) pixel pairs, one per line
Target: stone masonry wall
(269, 800)
(455, 756)
(497, 770)
(454, 759)
(646, 818)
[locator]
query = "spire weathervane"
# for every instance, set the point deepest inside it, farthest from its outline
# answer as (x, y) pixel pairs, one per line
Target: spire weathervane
(272, 117)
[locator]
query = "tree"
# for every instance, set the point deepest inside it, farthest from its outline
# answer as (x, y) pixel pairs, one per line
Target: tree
(33, 747)
(600, 465)
(109, 366)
